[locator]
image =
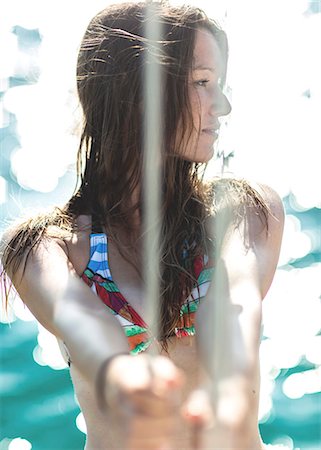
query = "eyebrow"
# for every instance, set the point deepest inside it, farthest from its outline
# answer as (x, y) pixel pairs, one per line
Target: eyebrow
(201, 67)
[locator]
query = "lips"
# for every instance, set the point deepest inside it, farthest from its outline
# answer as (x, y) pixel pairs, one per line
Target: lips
(211, 131)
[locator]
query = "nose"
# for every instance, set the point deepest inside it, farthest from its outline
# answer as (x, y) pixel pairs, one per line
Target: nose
(220, 105)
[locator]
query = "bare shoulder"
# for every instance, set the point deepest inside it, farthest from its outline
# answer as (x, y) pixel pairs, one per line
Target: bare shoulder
(272, 200)
(251, 201)
(266, 241)
(78, 244)
(36, 238)
(26, 240)
(47, 281)
(253, 240)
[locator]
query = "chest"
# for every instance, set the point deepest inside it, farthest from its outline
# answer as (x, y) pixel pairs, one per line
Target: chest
(115, 278)
(123, 271)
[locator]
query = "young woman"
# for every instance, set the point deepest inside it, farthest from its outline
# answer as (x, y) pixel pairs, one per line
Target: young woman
(79, 269)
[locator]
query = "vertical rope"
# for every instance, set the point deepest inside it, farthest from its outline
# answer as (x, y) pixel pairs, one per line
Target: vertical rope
(153, 131)
(217, 332)
(216, 339)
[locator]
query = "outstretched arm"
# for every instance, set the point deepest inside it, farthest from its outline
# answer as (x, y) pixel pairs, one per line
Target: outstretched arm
(229, 323)
(67, 307)
(136, 390)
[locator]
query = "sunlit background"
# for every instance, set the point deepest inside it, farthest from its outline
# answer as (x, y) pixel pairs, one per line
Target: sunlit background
(274, 135)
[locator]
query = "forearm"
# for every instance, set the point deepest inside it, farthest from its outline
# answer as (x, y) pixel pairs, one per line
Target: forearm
(228, 331)
(68, 308)
(228, 337)
(91, 339)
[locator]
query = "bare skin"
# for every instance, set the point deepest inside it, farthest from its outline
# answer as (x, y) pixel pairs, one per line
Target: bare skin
(52, 290)
(182, 352)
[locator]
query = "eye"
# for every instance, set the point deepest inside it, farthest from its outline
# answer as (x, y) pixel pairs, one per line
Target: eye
(201, 83)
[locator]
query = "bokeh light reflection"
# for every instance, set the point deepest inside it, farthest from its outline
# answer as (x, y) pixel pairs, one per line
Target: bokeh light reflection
(47, 352)
(298, 384)
(81, 424)
(19, 444)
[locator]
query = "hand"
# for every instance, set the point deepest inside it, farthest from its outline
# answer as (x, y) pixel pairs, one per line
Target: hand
(143, 393)
(226, 420)
(198, 412)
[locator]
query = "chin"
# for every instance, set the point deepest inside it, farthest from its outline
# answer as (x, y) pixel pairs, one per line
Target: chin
(199, 160)
(200, 156)
(206, 157)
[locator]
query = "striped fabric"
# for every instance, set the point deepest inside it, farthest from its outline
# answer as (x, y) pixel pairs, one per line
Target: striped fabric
(97, 275)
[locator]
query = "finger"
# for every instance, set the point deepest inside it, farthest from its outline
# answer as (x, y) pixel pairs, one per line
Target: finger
(197, 410)
(150, 404)
(198, 413)
(130, 373)
(145, 384)
(126, 375)
(165, 375)
(196, 438)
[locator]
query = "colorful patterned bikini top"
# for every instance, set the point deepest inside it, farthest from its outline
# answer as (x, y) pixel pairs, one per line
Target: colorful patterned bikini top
(98, 277)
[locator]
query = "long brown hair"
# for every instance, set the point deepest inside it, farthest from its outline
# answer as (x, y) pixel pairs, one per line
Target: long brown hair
(110, 88)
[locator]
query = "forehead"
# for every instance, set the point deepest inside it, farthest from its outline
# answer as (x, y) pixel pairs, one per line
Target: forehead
(207, 53)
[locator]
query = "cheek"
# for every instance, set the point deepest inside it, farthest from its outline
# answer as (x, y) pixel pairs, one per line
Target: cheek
(196, 106)
(186, 137)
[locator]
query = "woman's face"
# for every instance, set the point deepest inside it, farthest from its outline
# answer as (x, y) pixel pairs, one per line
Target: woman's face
(208, 103)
